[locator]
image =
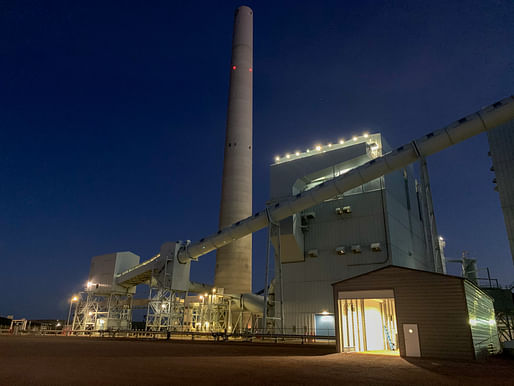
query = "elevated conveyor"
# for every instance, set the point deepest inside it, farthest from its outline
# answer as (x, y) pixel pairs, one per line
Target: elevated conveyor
(139, 274)
(473, 124)
(167, 273)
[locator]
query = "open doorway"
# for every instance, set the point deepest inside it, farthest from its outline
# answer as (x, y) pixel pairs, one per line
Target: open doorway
(368, 322)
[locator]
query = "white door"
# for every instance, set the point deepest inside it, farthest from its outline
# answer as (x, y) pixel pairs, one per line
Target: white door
(411, 337)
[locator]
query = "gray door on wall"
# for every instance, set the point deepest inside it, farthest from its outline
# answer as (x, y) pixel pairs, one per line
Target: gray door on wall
(411, 337)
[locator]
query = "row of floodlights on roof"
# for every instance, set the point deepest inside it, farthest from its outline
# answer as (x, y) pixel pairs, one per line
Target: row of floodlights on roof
(318, 147)
(342, 250)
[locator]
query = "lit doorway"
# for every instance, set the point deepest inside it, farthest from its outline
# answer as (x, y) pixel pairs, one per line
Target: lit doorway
(368, 322)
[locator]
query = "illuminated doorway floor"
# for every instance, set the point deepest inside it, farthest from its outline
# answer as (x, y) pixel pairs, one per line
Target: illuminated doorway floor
(380, 352)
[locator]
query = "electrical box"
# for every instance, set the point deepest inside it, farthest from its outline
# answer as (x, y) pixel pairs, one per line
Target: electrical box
(340, 251)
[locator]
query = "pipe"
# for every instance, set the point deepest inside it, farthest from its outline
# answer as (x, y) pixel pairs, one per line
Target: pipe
(476, 123)
(200, 288)
(249, 302)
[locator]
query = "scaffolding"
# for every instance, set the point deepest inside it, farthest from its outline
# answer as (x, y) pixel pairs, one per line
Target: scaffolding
(209, 313)
(102, 312)
(165, 310)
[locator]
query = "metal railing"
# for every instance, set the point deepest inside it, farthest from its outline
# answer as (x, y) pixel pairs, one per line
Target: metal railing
(245, 336)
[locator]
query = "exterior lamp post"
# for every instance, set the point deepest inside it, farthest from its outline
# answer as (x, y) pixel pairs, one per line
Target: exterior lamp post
(72, 300)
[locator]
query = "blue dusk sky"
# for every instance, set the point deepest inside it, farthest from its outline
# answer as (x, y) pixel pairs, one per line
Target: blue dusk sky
(112, 121)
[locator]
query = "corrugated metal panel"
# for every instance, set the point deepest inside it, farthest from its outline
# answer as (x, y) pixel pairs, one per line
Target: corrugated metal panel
(436, 303)
(501, 142)
(482, 321)
(284, 175)
(306, 280)
(363, 226)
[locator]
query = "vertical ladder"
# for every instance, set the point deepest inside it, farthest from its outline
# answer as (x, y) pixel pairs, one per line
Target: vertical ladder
(389, 341)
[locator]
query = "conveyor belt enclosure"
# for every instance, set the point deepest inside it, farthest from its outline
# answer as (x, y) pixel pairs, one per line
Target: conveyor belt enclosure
(476, 123)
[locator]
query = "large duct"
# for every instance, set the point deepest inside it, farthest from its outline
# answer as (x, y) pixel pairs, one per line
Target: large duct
(483, 120)
(234, 262)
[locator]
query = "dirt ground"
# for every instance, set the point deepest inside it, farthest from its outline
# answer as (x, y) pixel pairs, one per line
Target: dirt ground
(59, 360)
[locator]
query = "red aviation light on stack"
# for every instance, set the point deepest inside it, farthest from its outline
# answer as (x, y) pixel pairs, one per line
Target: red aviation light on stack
(234, 67)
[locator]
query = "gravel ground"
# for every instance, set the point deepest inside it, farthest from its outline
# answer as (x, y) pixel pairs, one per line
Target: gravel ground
(59, 360)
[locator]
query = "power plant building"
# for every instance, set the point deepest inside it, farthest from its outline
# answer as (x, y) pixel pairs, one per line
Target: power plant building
(383, 222)
(501, 143)
(337, 213)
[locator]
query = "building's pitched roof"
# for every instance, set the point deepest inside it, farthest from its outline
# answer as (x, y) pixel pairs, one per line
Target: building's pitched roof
(392, 266)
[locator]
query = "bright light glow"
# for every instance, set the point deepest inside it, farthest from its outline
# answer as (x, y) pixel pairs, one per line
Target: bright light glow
(366, 135)
(324, 312)
(374, 328)
(297, 153)
(74, 299)
(492, 322)
(473, 322)
(410, 331)
(329, 145)
(214, 290)
(201, 297)
(163, 305)
(206, 324)
(341, 141)
(318, 147)
(234, 67)
(308, 151)
(277, 158)
(58, 325)
(288, 155)
(206, 294)
(441, 238)
(250, 69)
(102, 321)
(354, 138)
(90, 313)
(89, 284)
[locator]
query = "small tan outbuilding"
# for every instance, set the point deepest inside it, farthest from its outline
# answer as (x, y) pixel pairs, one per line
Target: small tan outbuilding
(414, 313)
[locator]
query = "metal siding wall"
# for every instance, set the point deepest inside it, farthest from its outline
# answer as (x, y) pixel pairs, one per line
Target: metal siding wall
(436, 303)
(284, 175)
(481, 309)
(501, 142)
(307, 285)
(405, 228)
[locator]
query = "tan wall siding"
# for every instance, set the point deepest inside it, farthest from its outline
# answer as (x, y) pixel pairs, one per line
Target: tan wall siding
(435, 303)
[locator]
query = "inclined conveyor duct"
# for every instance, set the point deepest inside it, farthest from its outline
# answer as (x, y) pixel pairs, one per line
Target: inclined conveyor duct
(476, 123)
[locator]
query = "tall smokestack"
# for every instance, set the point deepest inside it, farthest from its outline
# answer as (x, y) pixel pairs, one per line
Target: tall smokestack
(234, 262)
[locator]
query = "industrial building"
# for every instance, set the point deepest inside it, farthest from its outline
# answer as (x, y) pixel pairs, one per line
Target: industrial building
(337, 212)
(415, 314)
(382, 222)
(501, 143)
(365, 181)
